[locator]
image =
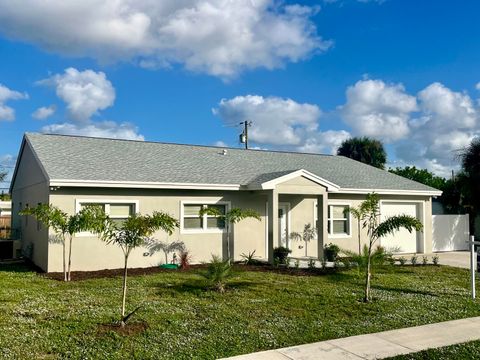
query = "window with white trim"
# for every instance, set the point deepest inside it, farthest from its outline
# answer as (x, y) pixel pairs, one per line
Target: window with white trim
(338, 220)
(193, 221)
(117, 211)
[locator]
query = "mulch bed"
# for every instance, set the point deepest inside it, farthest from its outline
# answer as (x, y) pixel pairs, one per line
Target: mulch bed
(112, 273)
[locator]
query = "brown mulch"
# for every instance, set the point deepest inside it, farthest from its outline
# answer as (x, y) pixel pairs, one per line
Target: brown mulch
(129, 329)
(112, 273)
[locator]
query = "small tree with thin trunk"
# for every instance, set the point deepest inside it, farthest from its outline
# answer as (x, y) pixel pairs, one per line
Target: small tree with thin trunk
(377, 229)
(230, 218)
(307, 235)
(132, 233)
(359, 214)
(66, 226)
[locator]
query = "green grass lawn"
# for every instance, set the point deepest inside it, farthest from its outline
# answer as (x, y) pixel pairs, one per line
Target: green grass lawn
(48, 319)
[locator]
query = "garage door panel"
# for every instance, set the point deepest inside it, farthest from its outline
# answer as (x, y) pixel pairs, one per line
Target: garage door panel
(402, 240)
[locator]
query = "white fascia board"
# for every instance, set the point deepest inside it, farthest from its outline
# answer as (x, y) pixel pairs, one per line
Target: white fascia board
(269, 185)
(140, 185)
(390, 192)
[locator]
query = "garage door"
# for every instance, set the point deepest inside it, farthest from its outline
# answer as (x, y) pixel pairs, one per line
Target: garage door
(402, 240)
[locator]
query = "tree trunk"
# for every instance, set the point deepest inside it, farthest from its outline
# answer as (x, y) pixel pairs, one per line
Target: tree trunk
(359, 242)
(64, 259)
(69, 258)
(306, 250)
(124, 296)
(367, 280)
(227, 227)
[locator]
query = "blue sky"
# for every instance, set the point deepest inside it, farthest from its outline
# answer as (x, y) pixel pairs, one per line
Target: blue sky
(309, 74)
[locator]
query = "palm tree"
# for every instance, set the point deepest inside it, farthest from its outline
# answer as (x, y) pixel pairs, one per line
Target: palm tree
(64, 225)
(307, 235)
(470, 160)
(377, 229)
(132, 233)
(365, 150)
(230, 218)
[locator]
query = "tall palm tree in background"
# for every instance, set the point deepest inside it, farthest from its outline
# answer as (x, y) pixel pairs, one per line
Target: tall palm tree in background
(470, 180)
(366, 150)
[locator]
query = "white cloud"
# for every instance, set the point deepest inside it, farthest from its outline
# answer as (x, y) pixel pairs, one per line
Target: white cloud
(378, 110)
(106, 129)
(44, 112)
(280, 123)
(325, 142)
(218, 37)
(84, 92)
(220, 143)
(477, 86)
(276, 121)
(6, 112)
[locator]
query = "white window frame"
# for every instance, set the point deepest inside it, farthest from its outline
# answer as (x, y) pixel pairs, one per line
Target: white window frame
(349, 219)
(203, 230)
(106, 202)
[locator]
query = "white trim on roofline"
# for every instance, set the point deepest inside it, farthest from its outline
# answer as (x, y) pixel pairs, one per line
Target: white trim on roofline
(269, 185)
(141, 185)
(390, 192)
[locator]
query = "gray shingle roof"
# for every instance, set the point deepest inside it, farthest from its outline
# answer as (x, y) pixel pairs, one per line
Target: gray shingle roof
(97, 159)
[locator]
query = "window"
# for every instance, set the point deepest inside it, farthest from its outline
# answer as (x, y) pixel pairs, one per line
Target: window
(338, 220)
(192, 221)
(117, 210)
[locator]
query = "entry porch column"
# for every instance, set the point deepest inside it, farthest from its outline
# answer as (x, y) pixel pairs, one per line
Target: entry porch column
(322, 223)
(272, 223)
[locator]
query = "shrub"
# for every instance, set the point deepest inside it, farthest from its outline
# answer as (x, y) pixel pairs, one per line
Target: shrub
(288, 261)
(217, 273)
(379, 256)
(185, 259)
(414, 260)
(346, 263)
(249, 259)
(402, 261)
(435, 260)
(311, 264)
(425, 260)
(323, 263)
(281, 253)
(297, 264)
(331, 251)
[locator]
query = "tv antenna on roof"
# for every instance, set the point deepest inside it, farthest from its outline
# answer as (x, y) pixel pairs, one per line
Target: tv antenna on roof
(244, 135)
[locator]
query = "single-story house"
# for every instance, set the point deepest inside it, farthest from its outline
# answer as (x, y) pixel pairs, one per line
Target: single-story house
(288, 190)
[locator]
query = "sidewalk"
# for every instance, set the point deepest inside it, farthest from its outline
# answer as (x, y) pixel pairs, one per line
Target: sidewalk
(379, 345)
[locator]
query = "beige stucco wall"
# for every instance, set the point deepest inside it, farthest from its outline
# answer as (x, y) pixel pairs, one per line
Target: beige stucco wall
(89, 253)
(30, 188)
(351, 242)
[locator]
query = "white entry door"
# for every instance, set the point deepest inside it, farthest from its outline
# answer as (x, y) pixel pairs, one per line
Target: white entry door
(402, 240)
(283, 225)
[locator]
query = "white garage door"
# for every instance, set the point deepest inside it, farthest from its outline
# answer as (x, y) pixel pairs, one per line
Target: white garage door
(402, 240)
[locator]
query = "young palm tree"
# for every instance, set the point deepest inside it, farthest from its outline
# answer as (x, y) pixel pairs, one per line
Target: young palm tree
(66, 225)
(359, 214)
(230, 218)
(377, 229)
(307, 235)
(132, 233)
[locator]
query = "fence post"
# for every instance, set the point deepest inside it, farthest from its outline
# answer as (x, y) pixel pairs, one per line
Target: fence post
(473, 259)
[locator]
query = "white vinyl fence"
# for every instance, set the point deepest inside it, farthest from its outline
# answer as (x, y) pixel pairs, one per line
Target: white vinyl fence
(450, 232)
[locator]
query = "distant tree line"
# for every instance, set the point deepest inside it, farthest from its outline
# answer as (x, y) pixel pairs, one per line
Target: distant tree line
(461, 193)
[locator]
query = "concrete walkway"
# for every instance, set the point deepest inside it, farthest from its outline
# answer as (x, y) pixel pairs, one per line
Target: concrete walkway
(379, 345)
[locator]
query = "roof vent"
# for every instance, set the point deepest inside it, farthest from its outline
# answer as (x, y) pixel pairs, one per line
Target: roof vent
(224, 152)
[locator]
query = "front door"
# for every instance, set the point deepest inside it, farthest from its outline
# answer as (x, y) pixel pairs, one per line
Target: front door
(283, 225)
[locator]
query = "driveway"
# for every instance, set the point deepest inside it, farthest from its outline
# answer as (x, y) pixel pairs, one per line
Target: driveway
(460, 259)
